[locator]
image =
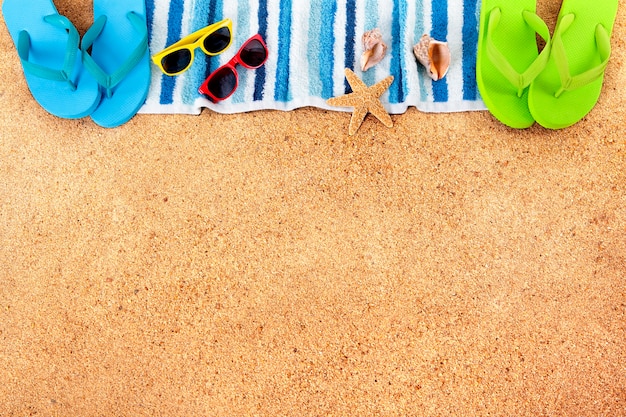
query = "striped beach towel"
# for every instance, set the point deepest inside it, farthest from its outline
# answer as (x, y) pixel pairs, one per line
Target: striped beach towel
(310, 44)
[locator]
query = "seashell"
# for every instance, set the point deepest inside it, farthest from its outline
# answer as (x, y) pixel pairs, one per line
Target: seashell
(374, 49)
(434, 55)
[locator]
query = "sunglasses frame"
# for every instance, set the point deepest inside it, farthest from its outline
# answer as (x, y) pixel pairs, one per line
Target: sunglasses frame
(193, 41)
(234, 61)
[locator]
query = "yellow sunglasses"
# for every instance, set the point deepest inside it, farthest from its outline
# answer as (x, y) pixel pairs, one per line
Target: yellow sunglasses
(213, 40)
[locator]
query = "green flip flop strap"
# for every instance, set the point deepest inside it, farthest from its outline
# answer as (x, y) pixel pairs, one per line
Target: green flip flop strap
(571, 82)
(71, 49)
(109, 81)
(501, 62)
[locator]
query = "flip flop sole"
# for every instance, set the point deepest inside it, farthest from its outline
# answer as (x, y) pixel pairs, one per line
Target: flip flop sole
(48, 45)
(583, 27)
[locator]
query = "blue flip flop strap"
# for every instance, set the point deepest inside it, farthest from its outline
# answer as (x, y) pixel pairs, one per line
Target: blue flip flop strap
(519, 80)
(571, 82)
(71, 49)
(109, 81)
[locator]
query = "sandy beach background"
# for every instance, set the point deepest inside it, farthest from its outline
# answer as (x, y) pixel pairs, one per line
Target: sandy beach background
(267, 264)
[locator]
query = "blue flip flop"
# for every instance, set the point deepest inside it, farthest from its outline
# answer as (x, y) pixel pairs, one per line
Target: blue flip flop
(47, 44)
(115, 52)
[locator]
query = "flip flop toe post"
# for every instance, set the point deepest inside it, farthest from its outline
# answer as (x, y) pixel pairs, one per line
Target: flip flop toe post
(570, 86)
(508, 58)
(47, 45)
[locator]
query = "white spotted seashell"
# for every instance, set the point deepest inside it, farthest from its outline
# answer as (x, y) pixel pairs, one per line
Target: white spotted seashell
(434, 56)
(374, 49)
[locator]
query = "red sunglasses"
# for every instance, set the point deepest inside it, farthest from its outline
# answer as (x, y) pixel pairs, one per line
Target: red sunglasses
(223, 82)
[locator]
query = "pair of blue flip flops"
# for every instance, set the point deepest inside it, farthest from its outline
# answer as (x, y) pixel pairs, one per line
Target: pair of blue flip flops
(105, 76)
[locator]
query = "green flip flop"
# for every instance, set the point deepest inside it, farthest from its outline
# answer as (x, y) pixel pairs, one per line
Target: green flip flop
(508, 58)
(571, 83)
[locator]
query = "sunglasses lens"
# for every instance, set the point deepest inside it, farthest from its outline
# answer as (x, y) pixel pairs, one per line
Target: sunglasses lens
(223, 83)
(253, 54)
(176, 61)
(217, 41)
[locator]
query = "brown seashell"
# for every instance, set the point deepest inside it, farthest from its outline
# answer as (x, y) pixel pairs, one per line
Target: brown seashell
(374, 49)
(434, 56)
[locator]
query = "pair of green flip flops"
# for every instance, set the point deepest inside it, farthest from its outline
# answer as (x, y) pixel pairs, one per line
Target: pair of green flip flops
(105, 76)
(556, 87)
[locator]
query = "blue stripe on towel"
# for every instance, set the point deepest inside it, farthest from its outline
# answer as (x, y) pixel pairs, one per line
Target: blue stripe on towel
(150, 15)
(282, 92)
(404, 66)
(396, 91)
(470, 41)
(174, 28)
(326, 55)
(417, 34)
(240, 36)
(350, 38)
(440, 32)
(243, 22)
(371, 19)
(259, 79)
(315, 27)
(371, 22)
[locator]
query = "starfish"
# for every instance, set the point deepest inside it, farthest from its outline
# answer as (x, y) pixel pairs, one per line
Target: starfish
(365, 100)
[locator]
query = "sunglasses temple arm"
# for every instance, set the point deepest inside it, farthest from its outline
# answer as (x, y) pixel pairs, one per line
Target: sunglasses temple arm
(193, 37)
(187, 40)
